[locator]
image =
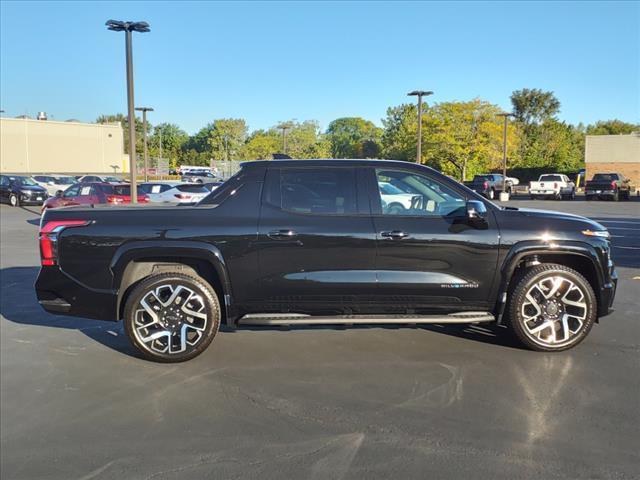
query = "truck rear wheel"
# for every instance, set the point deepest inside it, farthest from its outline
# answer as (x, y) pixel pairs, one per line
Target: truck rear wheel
(172, 317)
(551, 308)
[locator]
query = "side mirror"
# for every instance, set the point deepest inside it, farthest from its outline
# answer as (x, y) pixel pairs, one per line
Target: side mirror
(476, 210)
(59, 193)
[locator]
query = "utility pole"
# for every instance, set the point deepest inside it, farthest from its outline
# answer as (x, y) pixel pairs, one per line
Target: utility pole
(129, 28)
(419, 94)
(504, 149)
(144, 111)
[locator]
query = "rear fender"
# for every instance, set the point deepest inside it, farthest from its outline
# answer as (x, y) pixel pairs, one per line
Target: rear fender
(170, 250)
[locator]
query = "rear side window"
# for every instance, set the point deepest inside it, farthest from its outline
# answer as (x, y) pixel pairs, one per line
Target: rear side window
(318, 190)
(605, 177)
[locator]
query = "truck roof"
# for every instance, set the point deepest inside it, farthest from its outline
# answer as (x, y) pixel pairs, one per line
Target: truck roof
(329, 162)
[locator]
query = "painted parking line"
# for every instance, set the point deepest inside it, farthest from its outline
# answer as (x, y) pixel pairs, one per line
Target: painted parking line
(626, 248)
(620, 221)
(624, 228)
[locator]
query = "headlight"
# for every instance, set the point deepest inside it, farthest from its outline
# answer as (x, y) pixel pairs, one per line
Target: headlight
(597, 233)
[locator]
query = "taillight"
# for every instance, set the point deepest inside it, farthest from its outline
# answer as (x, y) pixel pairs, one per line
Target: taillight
(555, 184)
(143, 199)
(485, 185)
(49, 239)
(182, 196)
(114, 199)
(613, 185)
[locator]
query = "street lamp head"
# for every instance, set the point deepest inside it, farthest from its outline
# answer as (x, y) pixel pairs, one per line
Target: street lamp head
(506, 114)
(144, 109)
(120, 26)
(420, 93)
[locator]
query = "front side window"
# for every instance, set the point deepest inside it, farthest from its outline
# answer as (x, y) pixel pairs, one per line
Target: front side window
(72, 191)
(318, 190)
(409, 193)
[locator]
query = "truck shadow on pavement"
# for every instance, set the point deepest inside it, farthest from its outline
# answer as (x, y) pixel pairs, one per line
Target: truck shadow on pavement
(18, 304)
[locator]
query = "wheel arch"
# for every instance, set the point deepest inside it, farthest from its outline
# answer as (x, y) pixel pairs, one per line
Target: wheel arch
(137, 260)
(579, 256)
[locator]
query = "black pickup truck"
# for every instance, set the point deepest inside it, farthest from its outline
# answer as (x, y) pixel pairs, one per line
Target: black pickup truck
(318, 242)
(613, 186)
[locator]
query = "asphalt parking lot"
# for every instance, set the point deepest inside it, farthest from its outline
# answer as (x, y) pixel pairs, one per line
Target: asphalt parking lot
(320, 403)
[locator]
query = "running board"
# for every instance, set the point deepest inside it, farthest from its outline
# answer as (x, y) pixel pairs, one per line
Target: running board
(300, 319)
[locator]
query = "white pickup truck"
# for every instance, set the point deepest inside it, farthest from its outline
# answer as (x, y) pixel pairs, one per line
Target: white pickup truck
(554, 185)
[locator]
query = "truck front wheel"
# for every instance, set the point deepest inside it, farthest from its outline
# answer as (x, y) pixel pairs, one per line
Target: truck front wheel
(172, 317)
(551, 308)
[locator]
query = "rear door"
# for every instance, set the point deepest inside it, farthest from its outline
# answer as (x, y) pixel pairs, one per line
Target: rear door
(429, 258)
(316, 242)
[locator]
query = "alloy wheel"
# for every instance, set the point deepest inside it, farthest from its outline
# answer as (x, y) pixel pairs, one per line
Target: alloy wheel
(170, 319)
(554, 311)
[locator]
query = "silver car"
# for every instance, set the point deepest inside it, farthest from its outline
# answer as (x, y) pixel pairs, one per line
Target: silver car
(54, 183)
(178, 193)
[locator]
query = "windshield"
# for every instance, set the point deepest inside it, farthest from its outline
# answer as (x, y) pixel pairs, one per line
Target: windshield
(26, 181)
(112, 179)
(64, 180)
(481, 178)
(605, 177)
(550, 178)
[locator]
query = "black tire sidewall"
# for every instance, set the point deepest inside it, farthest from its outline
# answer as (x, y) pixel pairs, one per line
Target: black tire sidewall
(534, 275)
(193, 282)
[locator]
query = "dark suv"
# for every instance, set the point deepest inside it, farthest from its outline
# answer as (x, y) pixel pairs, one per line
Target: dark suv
(319, 242)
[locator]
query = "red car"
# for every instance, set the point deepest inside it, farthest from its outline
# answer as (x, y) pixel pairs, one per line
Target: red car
(92, 193)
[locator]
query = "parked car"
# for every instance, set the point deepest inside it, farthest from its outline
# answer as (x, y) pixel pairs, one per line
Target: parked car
(100, 179)
(309, 242)
(613, 186)
(553, 185)
(173, 192)
(19, 190)
(54, 183)
(394, 198)
(488, 185)
(93, 193)
(513, 181)
(195, 176)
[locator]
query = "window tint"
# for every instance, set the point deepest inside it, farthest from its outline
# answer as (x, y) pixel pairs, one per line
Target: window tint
(192, 188)
(416, 194)
(318, 190)
(605, 177)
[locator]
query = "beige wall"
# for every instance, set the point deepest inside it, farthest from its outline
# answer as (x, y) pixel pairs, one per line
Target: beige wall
(32, 146)
(613, 153)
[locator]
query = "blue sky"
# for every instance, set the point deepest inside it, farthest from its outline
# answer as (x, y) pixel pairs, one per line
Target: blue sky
(268, 62)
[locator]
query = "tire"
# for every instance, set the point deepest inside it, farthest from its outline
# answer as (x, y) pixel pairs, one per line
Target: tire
(178, 335)
(537, 324)
(616, 197)
(588, 198)
(14, 201)
(532, 197)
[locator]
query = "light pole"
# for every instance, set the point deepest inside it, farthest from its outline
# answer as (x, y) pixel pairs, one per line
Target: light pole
(504, 150)
(129, 28)
(419, 94)
(284, 127)
(144, 111)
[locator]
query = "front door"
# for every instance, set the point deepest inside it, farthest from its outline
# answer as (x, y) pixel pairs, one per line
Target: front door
(429, 258)
(316, 242)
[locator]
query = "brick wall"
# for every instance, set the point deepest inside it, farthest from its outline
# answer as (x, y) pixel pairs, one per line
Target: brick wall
(628, 169)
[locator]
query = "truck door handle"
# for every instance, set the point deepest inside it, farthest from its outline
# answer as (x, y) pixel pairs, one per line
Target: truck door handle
(395, 234)
(282, 234)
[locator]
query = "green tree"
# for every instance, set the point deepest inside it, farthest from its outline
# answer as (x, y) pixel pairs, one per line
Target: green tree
(354, 137)
(123, 120)
(262, 144)
(400, 132)
(463, 139)
(171, 138)
(554, 145)
(227, 137)
(534, 106)
(612, 127)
